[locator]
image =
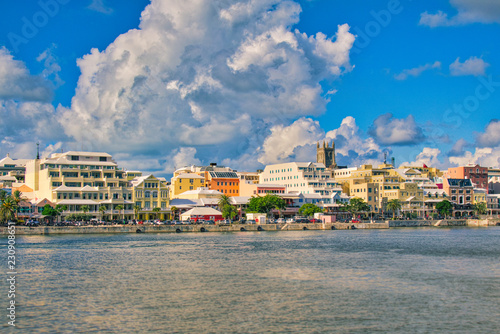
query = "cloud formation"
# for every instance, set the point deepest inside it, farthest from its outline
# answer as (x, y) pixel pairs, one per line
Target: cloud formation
(472, 66)
(16, 82)
(469, 11)
(387, 130)
(204, 74)
(491, 135)
(416, 71)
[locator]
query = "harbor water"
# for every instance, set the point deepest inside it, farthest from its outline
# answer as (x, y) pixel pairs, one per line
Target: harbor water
(408, 280)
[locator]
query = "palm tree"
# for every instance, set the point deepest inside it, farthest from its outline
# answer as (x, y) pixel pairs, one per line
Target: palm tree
(223, 201)
(17, 197)
(102, 209)
(119, 207)
(8, 209)
(174, 210)
(156, 211)
(136, 211)
(394, 205)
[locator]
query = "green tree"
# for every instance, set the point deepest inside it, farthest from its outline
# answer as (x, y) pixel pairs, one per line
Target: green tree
(266, 204)
(137, 208)
(119, 207)
(174, 210)
(229, 212)
(17, 197)
(156, 211)
(60, 208)
(480, 208)
(223, 201)
(394, 205)
(102, 209)
(357, 205)
(8, 208)
(49, 211)
(85, 209)
(444, 208)
(309, 209)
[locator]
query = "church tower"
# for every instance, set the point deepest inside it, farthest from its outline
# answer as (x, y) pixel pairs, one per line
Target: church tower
(326, 155)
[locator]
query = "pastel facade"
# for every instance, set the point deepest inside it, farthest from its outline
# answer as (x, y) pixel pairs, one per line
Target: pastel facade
(302, 177)
(477, 174)
(185, 181)
(150, 198)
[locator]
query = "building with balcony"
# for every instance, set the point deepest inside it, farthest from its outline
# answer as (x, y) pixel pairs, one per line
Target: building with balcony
(150, 198)
(301, 177)
(83, 181)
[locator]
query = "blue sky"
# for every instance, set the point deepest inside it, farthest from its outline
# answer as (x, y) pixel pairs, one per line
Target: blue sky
(248, 83)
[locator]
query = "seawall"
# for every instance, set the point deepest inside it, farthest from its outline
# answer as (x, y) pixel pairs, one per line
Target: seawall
(26, 230)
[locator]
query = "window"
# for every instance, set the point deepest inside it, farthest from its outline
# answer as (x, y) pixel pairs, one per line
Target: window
(103, 159)
(147, 194)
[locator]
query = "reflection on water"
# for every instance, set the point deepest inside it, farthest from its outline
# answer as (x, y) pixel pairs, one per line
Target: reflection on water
(387, 281)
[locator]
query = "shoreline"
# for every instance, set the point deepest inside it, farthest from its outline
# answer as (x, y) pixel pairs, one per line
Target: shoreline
(102, 229)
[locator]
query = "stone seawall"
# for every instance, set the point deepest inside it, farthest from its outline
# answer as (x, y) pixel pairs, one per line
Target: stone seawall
(25, 230)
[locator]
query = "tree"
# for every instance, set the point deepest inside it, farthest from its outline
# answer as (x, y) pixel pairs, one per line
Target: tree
(85, 209)
(229, 211)
(60, 208)
(266, 204)
(8, 208)
(136, 211)
(309, 209)
(394, 205)
(444, 208)
(119, 207)
(174, 211)
(357, 205)
(223, 201)
(480, 208)
(17, 198)
(102, 209)
(156, 211)
(49, 211)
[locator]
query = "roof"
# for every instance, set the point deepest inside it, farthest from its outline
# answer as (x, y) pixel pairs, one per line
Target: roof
(266, 185)
(188, 176)
(202, 191)
(77, 202)
(239, 200)
(17, 162)
(202, 211)
(224, 175)
(460, 182)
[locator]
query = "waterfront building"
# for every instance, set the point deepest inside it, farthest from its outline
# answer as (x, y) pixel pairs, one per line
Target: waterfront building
(202, 214)
(82, 181)
(251, 177)
(494, 180)
(150, 198)
(477, 174)
(302, 177)
(493, 204)
(214, 177)
(185, 181)
(259, 189)
(479, 195)
(12, 170)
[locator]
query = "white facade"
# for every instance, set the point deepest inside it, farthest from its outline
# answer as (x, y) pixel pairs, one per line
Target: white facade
(302, 177)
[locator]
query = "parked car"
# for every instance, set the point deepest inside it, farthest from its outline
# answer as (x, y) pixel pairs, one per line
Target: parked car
(280, 220)
(250, 222)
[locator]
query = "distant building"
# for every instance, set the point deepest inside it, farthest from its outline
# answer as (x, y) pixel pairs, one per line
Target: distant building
(477, 174)
(459, 191)
(326, 155)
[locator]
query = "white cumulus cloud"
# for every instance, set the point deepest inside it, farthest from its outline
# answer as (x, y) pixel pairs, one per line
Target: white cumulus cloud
(468, 11)
(215, 76)
(472, 66)
(388, 130)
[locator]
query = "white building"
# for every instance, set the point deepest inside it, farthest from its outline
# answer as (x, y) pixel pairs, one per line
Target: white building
(302, 177)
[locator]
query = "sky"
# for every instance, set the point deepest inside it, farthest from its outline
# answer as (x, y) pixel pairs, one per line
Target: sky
(166, 83)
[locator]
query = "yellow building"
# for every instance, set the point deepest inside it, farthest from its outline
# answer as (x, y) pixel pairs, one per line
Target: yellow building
(185, 181)
(479, 196)
(150, 193)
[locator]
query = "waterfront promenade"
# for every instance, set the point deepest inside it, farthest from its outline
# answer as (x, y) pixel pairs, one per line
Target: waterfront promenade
(26, 230)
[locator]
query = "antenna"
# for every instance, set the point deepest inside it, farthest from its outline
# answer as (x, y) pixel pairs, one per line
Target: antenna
(385, 158)
(38, 150)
